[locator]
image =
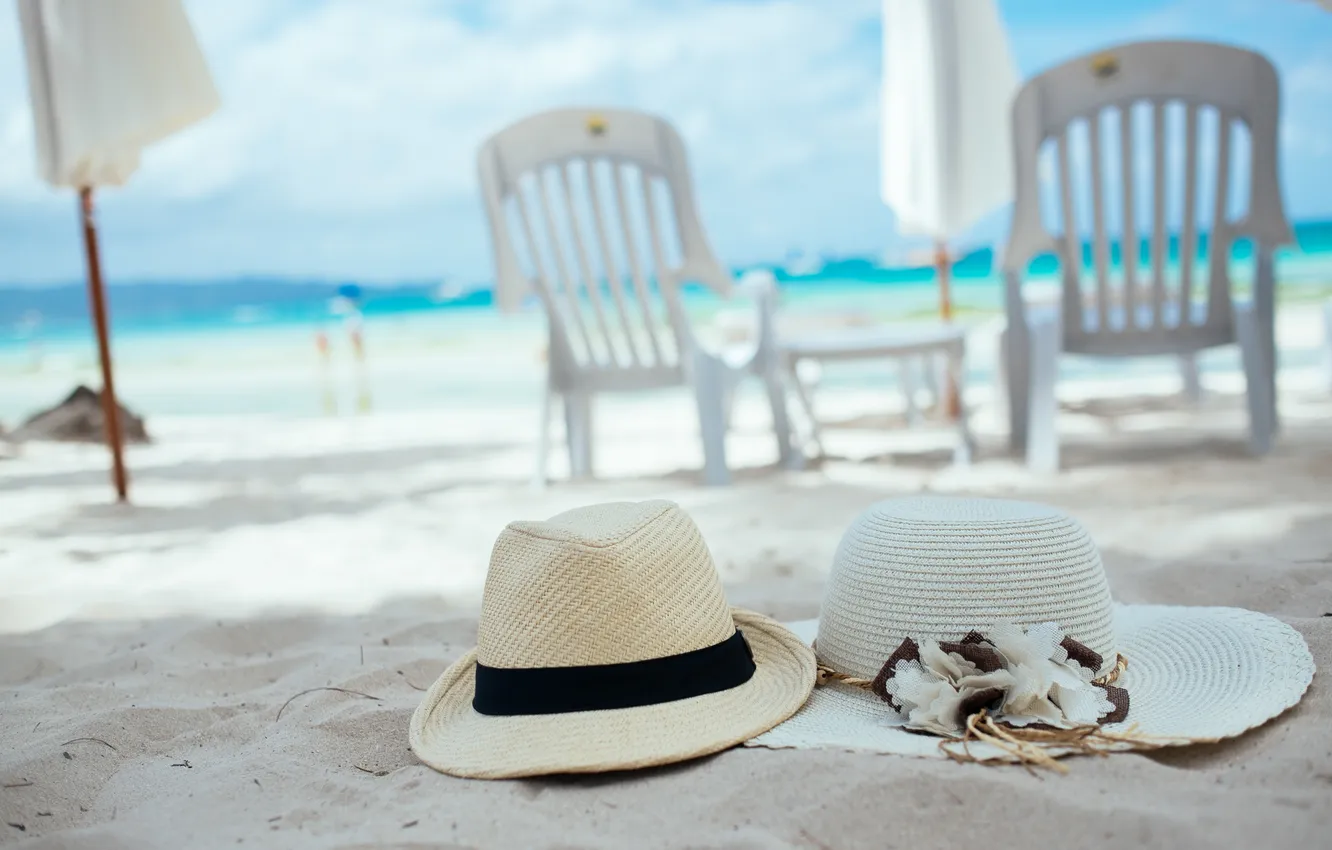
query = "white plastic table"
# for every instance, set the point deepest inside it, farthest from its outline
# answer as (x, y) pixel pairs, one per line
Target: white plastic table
(945, 342)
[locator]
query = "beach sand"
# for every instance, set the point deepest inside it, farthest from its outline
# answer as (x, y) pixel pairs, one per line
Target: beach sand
(165, 668)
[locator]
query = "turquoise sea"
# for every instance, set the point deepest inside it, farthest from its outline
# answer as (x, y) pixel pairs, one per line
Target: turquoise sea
(56, 313)
(247, 345)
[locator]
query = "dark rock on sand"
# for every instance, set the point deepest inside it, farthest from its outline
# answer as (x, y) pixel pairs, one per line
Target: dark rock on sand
(79, 418)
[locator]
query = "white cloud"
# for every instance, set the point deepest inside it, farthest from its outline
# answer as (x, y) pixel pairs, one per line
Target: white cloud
(352, 110)
(359, 107)
(1312, 78)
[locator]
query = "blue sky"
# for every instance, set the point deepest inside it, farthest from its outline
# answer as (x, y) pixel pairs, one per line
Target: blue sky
(345, 147)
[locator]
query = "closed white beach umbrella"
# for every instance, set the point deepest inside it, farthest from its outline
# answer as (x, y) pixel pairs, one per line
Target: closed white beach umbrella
(948, 82)
(107, 78)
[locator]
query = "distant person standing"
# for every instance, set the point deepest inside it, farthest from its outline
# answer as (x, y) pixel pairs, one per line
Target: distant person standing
(347, 305)
(326, 371)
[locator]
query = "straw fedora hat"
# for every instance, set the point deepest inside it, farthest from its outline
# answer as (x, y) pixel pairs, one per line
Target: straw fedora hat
(605, 643)
(987, 626)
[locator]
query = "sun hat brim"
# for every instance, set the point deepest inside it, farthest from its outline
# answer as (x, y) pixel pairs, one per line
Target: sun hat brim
(450, 736)
(1194, 675)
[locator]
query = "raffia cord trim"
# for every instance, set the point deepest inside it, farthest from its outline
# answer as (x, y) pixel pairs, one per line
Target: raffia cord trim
(1031, 747)
(827, 674)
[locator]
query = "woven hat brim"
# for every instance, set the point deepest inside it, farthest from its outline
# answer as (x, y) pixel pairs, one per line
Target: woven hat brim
(450, 736)
(1194, 675)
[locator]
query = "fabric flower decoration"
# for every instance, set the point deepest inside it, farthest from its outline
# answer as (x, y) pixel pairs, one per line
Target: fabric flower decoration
(1032, 676)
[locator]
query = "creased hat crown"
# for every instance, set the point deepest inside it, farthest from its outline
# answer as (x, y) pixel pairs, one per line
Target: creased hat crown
(933, 567)
(606, 584)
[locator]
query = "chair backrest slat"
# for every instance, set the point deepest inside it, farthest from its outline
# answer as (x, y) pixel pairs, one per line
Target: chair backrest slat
(587, 276)
(1100, 248)
(1242, 89)
(606, 147)
(635, 267)
(611, 270)
(1188, 238)
(1128, 243)
(549, 292)
(1072, 272)
(661, 264)
(1160, 227)
(563, 280)
(1218, 268)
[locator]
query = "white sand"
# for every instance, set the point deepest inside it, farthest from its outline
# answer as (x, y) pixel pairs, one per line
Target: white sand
(265, 557)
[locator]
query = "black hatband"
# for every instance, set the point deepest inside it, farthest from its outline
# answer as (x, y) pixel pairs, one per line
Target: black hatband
(505, 691)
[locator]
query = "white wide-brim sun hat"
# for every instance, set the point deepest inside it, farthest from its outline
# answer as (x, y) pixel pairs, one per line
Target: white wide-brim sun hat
(606, 643)
(938, 568)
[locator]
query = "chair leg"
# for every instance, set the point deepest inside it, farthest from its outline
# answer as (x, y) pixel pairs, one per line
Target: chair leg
(934, 378)
(1001, 374)
(966, 442)
(1273, 362)
(578, 426)
(1188, 373)
(806, 399)
(1042, 402)
(1263, 308)
(935, 371)
(788, 452)
(1258, 381)
(543, 441)
(730, 384)
(908, 381)
(1018, 356)
(708, 391)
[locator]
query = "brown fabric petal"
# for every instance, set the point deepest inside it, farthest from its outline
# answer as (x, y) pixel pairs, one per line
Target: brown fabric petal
(908, 650)
(1082, 654)
(986, 659)
(923, 732)
(1119, 698)
(1044, 727)
(974, 636)
(977, 701)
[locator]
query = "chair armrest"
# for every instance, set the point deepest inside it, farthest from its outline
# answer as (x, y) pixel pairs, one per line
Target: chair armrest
(761, 285)
(759, 351)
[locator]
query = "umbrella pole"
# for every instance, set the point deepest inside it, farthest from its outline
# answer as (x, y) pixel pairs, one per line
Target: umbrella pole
(110, 408)
(951, 402)
(944, 271)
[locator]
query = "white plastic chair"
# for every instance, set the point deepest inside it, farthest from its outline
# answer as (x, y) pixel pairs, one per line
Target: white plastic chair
(1142, 312)
(594, 211)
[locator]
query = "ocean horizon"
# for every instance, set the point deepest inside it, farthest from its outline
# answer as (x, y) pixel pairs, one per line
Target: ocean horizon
(56, 312)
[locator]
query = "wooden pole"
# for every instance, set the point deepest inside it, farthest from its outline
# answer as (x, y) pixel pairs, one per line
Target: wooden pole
(951, 402)
(97, 297)
(944, 271)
